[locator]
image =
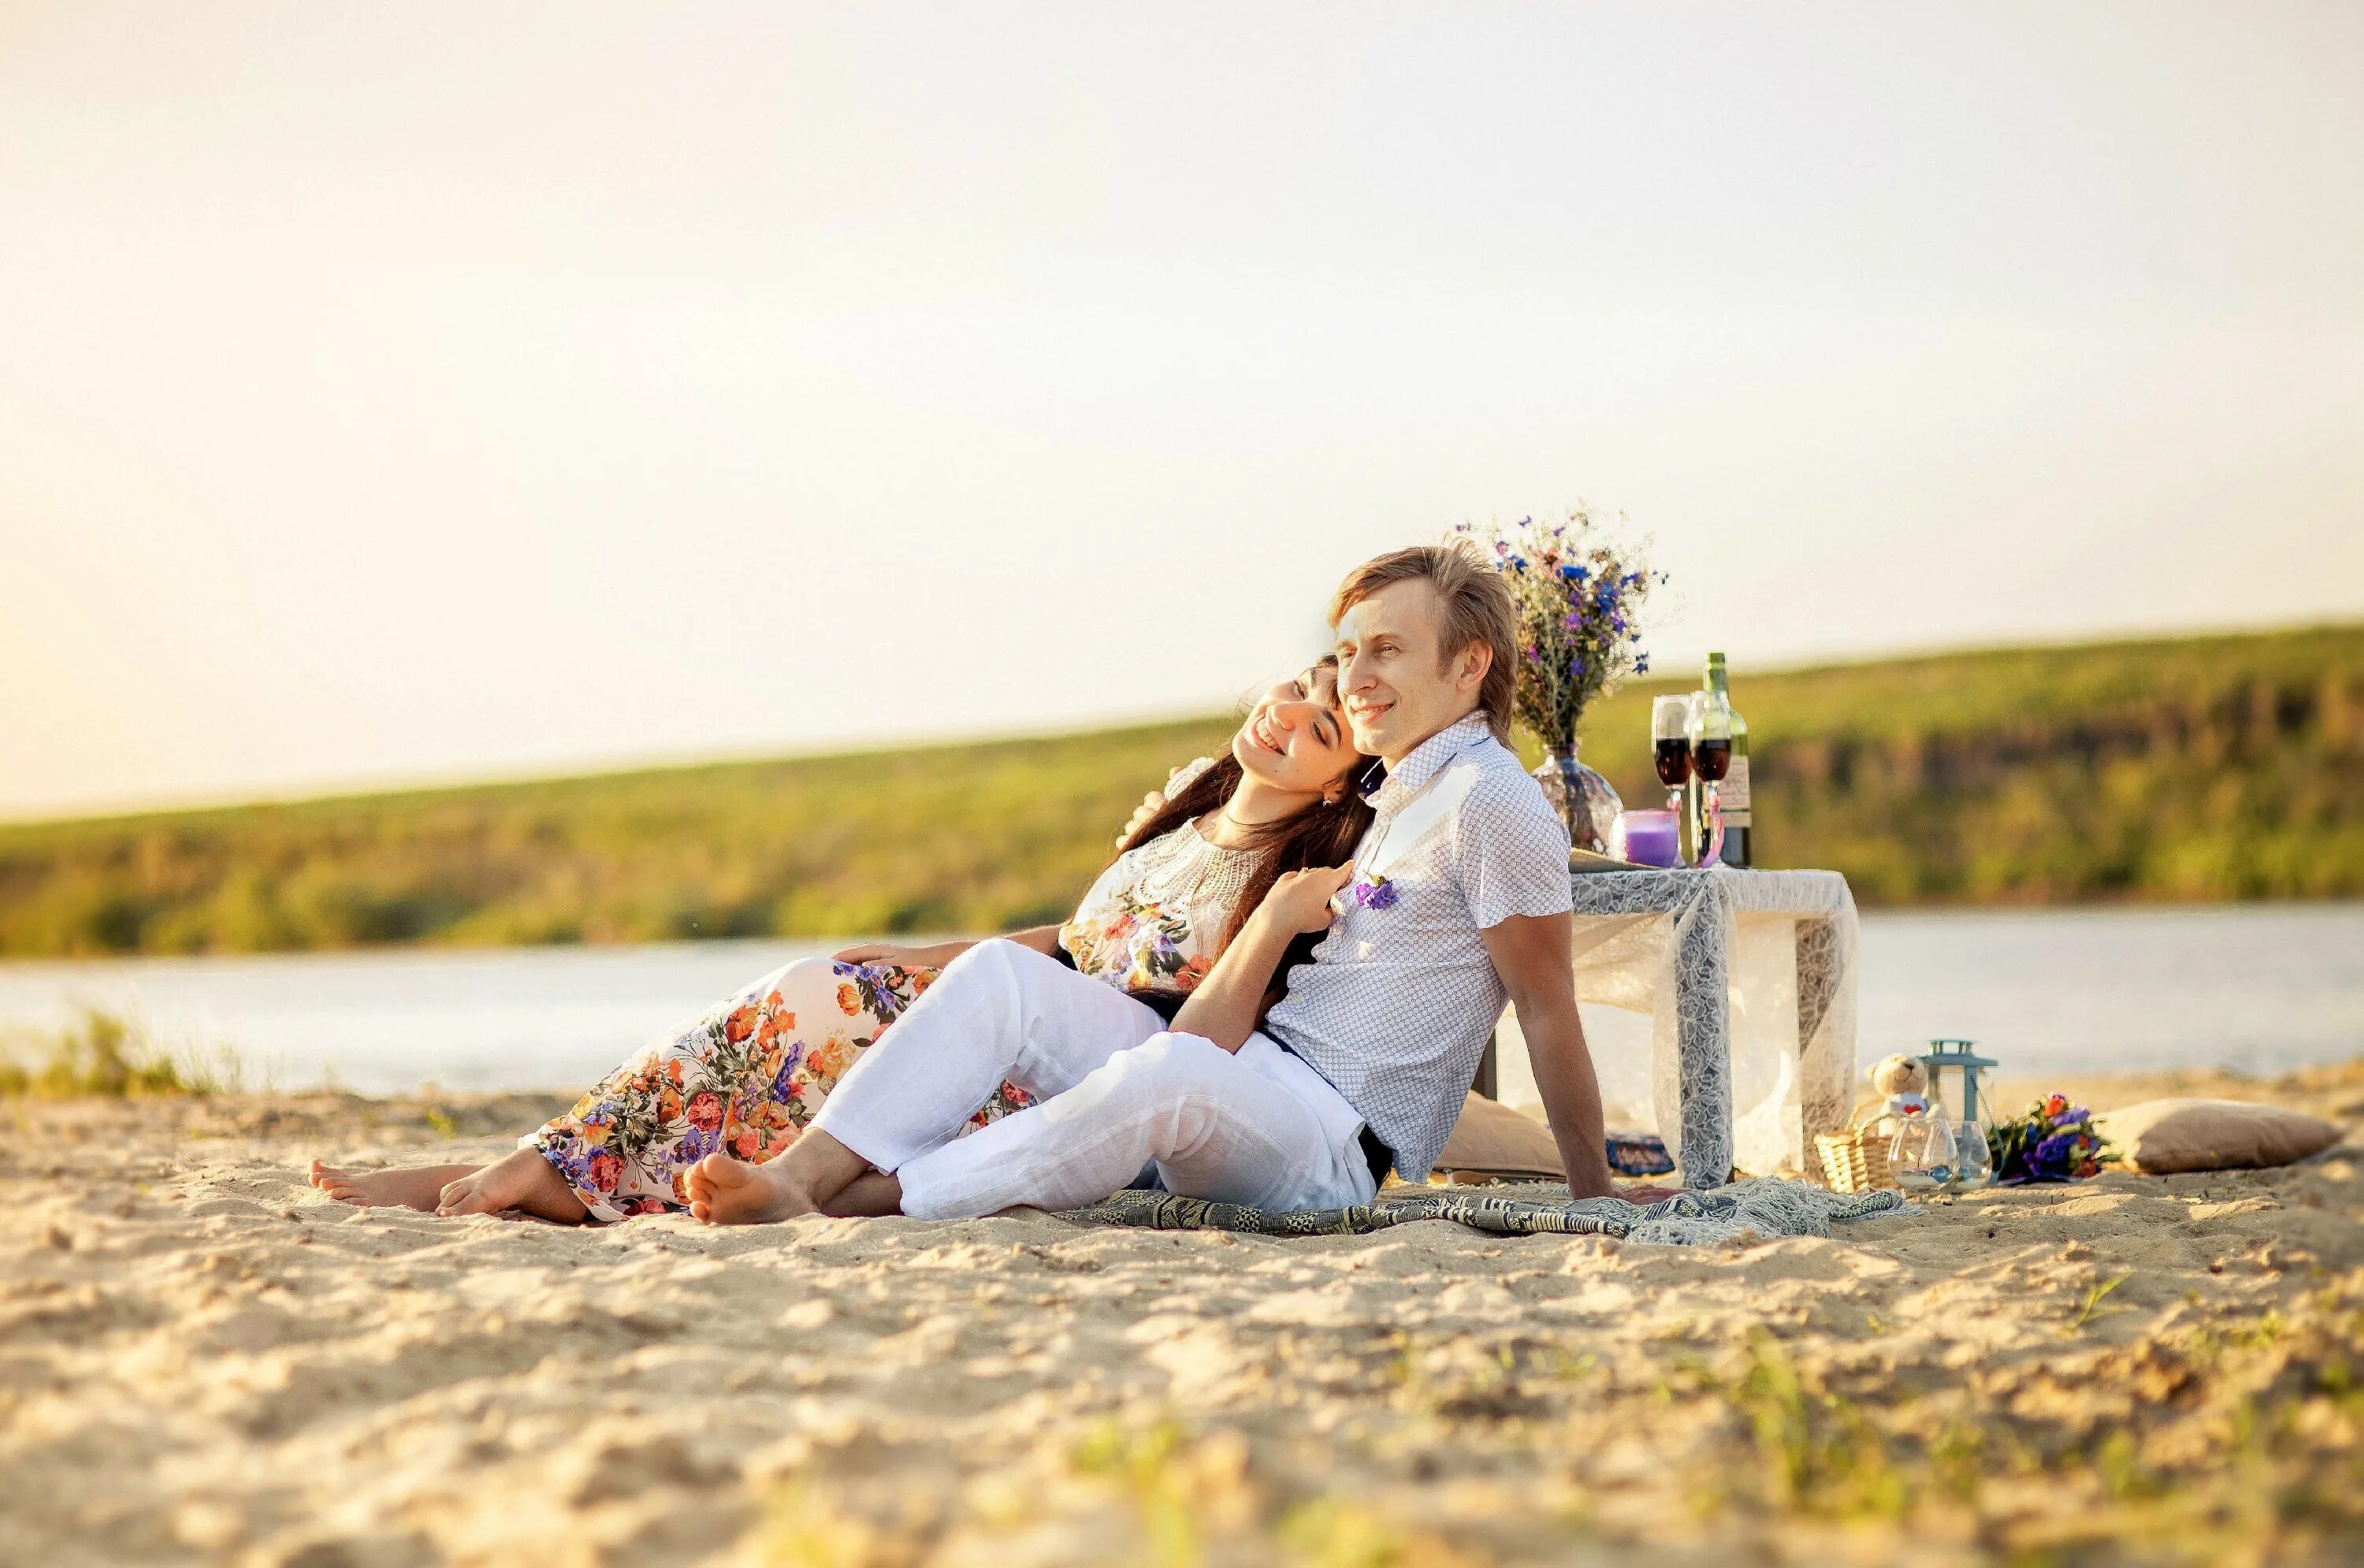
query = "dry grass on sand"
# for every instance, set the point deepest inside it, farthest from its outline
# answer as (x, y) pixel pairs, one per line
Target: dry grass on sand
(202, 1359)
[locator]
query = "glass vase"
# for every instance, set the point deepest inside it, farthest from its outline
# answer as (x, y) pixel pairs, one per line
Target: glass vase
(1923, 1157)
(1585, 800)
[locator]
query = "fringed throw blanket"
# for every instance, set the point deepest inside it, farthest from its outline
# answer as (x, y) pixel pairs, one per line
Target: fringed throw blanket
(1766, 1206)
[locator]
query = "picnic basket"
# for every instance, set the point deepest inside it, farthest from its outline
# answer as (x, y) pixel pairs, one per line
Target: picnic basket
(1855, 1161)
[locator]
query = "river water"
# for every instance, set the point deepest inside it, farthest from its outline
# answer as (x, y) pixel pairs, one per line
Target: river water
(2258, 988)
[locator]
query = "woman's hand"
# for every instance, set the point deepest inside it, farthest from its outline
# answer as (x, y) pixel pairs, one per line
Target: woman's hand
(1300, 900)
(1229, 1001)
(902, 955)
(1150, 804)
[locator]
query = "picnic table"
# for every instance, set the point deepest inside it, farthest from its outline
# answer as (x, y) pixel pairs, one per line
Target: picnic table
(1749, 979)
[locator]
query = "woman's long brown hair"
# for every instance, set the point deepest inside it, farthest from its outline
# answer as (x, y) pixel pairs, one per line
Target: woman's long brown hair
(1322, 834)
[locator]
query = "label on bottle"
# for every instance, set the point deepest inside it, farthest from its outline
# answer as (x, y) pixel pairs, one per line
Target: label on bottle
(1733, 791)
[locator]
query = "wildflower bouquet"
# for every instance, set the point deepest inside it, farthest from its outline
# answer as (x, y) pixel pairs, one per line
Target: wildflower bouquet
(2053, 1142)
(1580, 590)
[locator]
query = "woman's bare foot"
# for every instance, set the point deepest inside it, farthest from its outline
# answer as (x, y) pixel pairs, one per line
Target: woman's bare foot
(522, 1181)
(723, 1191)
(404, 1186)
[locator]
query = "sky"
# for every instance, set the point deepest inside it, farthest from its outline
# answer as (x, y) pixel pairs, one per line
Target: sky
(416, 392)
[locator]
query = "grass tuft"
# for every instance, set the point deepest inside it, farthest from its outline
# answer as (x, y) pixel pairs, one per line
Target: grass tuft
(105, 1056)
(1816, 1451)
(2091, 1307)
(1338, 1532)
(1149, 1462)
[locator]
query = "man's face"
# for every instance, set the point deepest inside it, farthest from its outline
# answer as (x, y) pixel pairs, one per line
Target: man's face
(1397, 687)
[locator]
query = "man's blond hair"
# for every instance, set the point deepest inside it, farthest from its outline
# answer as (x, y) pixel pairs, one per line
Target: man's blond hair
(1474, 605)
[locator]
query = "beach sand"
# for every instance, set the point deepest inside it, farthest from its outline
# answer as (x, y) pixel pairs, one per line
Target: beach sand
(203, 1359)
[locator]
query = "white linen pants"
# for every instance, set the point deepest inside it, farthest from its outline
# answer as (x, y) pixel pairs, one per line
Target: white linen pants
(1115, 1091)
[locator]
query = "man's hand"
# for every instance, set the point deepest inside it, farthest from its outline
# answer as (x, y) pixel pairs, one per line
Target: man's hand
(1150, 804)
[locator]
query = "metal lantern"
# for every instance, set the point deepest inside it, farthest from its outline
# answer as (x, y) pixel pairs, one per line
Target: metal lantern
(1957, 1055)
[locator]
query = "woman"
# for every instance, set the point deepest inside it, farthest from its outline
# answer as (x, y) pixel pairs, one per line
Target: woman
(745, 1078)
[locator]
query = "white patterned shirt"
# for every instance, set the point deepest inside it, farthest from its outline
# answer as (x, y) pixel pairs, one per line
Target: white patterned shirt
(1396, 1007)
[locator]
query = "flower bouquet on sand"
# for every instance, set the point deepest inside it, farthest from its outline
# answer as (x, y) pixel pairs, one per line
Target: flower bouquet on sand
(2055, 1141)
(1579, 587)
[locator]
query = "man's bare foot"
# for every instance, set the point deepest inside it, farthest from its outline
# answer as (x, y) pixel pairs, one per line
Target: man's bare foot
(723, 1191)
(522, 1181)
(867, 1197)
(404, 1186)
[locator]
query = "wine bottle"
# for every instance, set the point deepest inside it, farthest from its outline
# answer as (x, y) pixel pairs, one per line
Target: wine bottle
(1694, 799)
(1733, 791)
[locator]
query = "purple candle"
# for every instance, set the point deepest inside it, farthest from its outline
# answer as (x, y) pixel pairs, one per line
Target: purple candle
(1648, 838)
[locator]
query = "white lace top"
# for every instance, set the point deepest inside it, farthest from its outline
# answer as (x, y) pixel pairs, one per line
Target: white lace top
(1154, 919)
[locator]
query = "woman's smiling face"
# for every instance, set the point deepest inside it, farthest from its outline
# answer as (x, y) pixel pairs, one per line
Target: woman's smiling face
(1295, 737)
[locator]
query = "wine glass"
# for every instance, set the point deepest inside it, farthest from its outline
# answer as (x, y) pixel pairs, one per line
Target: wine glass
(1710, 731)
(1670, 746)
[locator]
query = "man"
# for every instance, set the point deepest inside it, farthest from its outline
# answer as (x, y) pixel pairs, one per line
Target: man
(1460, 895)
(1457, 902)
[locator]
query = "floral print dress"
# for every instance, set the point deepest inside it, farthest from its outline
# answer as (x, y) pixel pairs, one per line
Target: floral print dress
(745, 1078)
(1154, 921)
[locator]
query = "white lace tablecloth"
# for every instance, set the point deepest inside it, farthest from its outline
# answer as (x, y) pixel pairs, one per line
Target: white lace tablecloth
(1749, 978)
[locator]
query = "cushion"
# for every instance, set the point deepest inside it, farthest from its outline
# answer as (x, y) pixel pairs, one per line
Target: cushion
(2161, 1135)
(1492, 1139)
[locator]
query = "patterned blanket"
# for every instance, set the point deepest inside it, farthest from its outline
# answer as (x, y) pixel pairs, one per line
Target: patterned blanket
(1762, 1207)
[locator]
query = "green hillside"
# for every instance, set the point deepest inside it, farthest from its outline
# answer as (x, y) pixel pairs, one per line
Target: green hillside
(2199, 769)
(2215, 768)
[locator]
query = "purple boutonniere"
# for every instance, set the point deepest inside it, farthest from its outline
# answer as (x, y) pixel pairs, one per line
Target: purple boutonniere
(1375, 893)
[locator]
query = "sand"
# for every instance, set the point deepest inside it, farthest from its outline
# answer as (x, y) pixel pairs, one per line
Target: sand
(202, 1359)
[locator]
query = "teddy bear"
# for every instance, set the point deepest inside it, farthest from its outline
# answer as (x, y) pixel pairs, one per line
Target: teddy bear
(1903, 1079)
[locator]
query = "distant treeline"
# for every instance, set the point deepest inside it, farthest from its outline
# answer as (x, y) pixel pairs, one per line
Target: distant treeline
(2198, 768)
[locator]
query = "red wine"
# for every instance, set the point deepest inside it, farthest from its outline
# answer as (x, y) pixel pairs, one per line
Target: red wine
(1673, 758)
(1711, 758)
